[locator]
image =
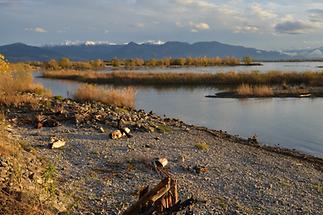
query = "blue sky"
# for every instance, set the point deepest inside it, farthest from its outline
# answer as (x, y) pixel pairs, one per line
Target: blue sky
(272, 25)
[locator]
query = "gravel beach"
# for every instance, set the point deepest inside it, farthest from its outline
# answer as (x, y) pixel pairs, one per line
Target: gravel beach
(103, 176)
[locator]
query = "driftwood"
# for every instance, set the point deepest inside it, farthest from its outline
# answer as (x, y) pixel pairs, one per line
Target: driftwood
(162, 199)
(45, 121)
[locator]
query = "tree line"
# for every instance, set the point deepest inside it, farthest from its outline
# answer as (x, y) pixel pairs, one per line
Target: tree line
(66, 63)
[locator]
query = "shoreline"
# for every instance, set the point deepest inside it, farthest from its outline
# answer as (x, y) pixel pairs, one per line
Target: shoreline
(180, 67)
(252, 141)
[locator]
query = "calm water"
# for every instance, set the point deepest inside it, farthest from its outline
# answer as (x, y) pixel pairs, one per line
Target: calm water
(293, 122)
(270, 66)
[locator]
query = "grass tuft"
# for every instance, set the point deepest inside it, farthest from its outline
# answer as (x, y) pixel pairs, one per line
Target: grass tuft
(202, 146)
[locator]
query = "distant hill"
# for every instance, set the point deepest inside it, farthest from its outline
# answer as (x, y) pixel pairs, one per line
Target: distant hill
(22, 52)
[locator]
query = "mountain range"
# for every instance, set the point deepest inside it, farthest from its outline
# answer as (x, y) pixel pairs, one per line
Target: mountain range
(316, 53)
(89, 51)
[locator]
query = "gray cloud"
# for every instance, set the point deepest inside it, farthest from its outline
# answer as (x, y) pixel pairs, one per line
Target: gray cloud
(316, 15)
(293, 27)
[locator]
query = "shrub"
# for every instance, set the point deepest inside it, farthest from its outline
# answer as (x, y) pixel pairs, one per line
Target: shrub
(116, 62)
(97, 64)
(4, 66)
(52, 65)
(15, 85)
(247, 60)
(65, 63)
(21, 67)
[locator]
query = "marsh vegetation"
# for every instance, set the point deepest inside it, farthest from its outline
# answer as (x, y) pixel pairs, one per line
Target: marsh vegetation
(273, 78)
(66, 63)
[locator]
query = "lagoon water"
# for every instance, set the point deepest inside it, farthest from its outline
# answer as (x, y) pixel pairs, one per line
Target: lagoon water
(295, 123)
(267, 66)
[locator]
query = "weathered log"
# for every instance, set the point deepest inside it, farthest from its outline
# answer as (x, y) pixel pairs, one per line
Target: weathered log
(158, 191)
(180, 206)
(143, 191)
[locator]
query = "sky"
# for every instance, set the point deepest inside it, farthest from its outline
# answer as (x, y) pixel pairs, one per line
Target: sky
(270, 25)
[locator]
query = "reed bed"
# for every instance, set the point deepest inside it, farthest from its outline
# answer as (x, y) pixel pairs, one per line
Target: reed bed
(119, 97)
(273, 78)
(246, 90)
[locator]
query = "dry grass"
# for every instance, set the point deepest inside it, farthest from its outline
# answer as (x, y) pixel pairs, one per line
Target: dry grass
(15, 86)
(263, 91)
(119, 97)
(258, 91)
(21, 67)
(274, 78)
(5, 148)
(245, 90)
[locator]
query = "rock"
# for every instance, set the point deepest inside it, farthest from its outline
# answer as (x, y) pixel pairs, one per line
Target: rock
(200, 169)
(162, 162)
(253, 139)
(126, 130)
(57, 143)
(117, 134)
(9, 128)
(101, 130)
(149, 129)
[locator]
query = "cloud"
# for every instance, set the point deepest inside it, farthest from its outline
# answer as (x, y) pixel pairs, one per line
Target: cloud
(246, 29)
(316, 15)
(36, 29)
(201, 4)
(262, 13)
(202, 26)
(293, 27)
(245, 21)
(196, 27)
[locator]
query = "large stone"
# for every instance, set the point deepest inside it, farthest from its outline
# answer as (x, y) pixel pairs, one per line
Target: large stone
(57, 143)
(117, 134)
